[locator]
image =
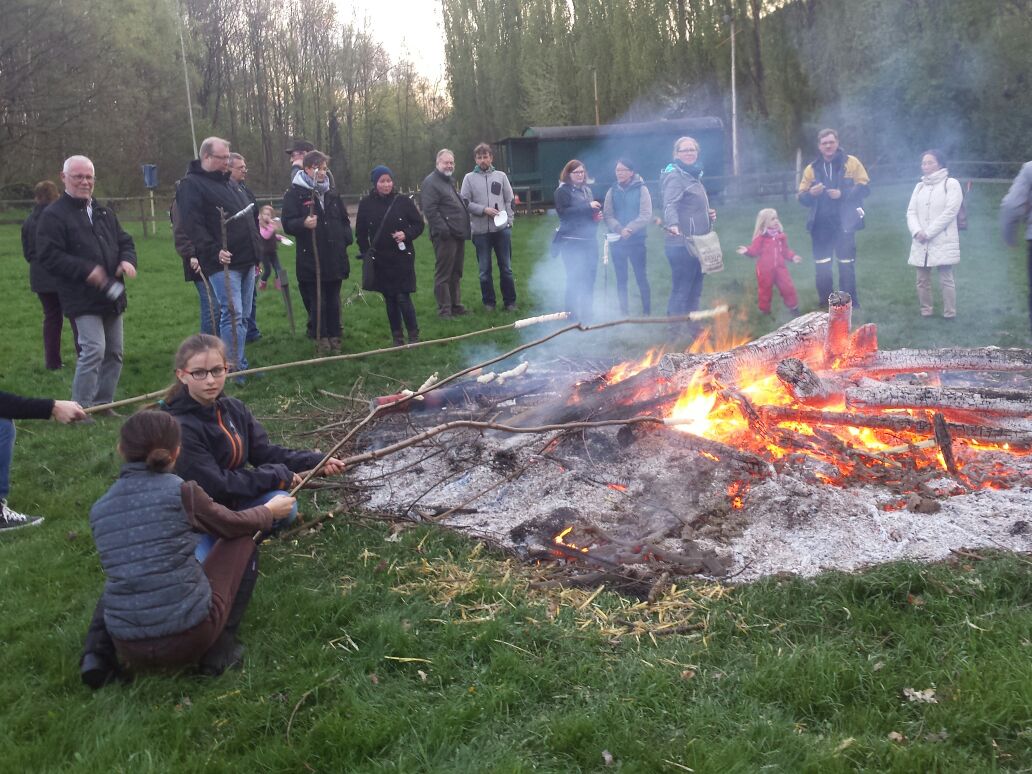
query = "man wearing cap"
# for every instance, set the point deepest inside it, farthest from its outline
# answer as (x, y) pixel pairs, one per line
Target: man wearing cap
(82, 244)
(203, 191)
(448, 217)
(489, 196)
(297, 153)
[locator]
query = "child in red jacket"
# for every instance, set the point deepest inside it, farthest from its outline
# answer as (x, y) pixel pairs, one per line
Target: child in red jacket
(770, 248)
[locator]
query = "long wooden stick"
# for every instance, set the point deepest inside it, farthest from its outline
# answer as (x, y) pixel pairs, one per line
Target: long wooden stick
(449, 379)
(393, 350)
(318, 274)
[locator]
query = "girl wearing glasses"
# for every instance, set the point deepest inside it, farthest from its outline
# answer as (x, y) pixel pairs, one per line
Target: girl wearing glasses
(225, 449)
(576, 238)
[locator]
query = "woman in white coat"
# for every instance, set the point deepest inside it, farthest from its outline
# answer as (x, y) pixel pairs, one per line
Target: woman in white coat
(932, 222)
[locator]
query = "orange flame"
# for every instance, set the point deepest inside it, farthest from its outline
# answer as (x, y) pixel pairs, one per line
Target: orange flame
(558, 540)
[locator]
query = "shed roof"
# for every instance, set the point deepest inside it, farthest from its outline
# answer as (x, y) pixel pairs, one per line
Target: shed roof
(610, 130)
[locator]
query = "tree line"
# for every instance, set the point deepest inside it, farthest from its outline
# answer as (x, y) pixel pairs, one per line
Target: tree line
(895, 76)
(106, 79)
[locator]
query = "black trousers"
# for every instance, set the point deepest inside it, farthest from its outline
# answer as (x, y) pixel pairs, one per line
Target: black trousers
(831, 244)
(401, 310)
(330, 321)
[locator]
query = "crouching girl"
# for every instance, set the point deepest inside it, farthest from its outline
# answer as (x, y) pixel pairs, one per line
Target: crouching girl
(225, 449)
(161, 607)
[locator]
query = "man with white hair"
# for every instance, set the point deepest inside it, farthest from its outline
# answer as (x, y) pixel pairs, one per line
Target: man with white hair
(82, 244)
(205, 190)
(448, 216)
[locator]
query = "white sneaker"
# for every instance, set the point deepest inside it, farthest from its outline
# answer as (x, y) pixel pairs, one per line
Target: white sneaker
(11, 519)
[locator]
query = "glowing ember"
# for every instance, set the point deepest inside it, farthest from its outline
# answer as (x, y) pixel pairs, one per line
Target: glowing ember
(618, 487)
(559, 541)
(736, 491)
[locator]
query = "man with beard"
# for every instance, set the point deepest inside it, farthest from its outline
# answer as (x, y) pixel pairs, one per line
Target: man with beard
(447, 214)
(489, 194)
(834, 186)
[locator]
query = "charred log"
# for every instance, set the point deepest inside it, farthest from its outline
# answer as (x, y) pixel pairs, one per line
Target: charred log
(945, 442)
(805, 386)
(863, 342)
(802, 338)
(840, 315)
(950, 359)
(992, 402)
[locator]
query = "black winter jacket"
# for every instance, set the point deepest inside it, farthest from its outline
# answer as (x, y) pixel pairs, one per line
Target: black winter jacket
(16, 407)
(199, 196)
(395, 269)
(221, 440)
(332, 233)
(577, 218)
(40, 280)
(70, 247)
(445, 210)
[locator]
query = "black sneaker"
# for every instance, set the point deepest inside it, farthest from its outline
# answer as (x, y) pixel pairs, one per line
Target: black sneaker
(96, 671)
(225, 653)
(11, 519)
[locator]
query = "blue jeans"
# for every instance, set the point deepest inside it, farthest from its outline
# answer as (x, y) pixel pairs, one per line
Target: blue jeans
(253, 334)
(7, 433)
(207, 542)
(241, 286)
(205, 308)
(501, 241)
(685, 281)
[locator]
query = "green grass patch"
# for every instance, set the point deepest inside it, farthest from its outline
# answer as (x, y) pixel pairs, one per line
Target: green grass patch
(785, 675)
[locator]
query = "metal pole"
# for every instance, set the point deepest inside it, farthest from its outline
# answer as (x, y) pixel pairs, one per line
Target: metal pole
(594, 81)
(186, 79)
(734, 106)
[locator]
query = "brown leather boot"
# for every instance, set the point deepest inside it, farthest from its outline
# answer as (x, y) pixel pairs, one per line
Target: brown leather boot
(335, 345)
(322, 346)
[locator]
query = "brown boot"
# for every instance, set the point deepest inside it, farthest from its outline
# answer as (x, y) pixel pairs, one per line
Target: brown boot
(398, 338)
(322, 347)
(413, 336)
(335, 345)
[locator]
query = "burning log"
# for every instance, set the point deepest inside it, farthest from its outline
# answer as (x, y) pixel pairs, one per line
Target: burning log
(1017, 438)
(840, 311)
(951, 359)
(806, 386)
(464, 394)
(945, 442)
(802, 338)
(873, 394)
(863, 342)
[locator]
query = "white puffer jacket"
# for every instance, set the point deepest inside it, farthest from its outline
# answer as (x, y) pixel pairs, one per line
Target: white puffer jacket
(933, 209)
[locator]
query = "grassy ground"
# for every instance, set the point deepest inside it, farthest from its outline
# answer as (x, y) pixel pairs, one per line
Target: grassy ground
(785, 675)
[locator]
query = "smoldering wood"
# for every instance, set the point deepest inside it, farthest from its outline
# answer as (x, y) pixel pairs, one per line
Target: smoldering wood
(1017, 437)
(863, 341)
(840, 316)
(948, 359)
(945, 442)
(803, 338)
(872, 394)
(806, 386)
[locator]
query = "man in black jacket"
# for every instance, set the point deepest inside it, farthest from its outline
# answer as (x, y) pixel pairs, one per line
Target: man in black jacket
(82, 244)
(202, 192)
(448, 216)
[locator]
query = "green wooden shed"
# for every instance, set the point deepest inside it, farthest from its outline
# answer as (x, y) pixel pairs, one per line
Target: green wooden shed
(534, 160)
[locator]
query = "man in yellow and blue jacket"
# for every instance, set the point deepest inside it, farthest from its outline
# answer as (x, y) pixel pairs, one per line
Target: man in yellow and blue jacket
(834, 186)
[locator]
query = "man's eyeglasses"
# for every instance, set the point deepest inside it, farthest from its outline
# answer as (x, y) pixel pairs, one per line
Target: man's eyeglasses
(202, 373)
(221, 158)
(82, 178)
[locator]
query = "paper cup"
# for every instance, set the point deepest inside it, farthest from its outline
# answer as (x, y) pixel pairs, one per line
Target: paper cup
(501, 218)
(612, 237)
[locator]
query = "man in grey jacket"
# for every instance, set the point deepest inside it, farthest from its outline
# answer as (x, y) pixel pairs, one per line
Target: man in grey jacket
(448, 218)
(489, 196)
(1015, 208)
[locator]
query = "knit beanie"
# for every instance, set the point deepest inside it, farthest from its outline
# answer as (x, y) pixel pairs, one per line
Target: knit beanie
(378, 172)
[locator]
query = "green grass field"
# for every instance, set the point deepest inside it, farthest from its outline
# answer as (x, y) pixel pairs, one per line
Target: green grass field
(429, 654)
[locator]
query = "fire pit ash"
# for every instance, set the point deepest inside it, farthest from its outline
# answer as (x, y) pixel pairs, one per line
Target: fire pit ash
(803, 450)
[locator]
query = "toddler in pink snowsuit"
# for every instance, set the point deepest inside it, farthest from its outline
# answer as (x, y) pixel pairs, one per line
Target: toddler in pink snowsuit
(770, 248)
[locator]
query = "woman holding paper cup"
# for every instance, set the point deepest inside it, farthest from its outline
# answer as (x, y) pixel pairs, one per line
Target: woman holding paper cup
(579, 214)
(686, 213)
(627, 210)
